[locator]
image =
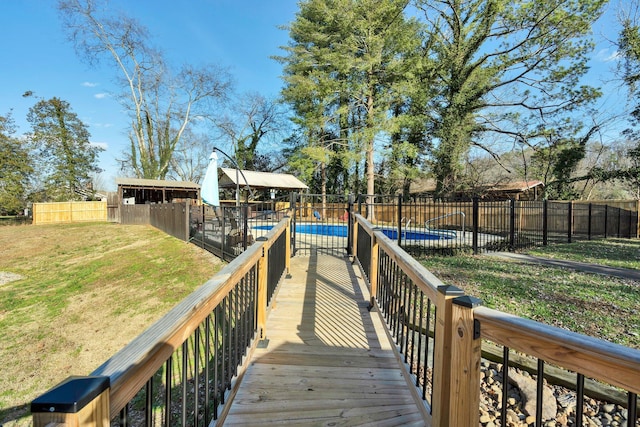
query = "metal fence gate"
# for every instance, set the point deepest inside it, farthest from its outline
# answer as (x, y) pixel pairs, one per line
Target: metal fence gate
(320, 224)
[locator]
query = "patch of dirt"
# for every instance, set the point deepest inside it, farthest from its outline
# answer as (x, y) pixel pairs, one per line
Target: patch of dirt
(7, 277)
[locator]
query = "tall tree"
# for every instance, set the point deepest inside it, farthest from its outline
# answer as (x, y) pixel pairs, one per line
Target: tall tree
(500, 65)
(253, 120)
(162, 103)
(15, 169)
(65, 157)
(344, 70)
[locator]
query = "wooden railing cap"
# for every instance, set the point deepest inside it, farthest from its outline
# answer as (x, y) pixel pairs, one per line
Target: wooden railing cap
(71, 395)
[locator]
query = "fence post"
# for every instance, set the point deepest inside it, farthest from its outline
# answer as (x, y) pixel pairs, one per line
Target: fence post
(475, 214)
(570, 221)
(512, 225)
(373, 273)
(350, 225)
(294, 211)
(77, 401)
(589, 223)
(545, 223)
(399, 220)
(263, 267)
(187, 219)
(442, 405)
(287, 251)
(606, 220)
(466, 349)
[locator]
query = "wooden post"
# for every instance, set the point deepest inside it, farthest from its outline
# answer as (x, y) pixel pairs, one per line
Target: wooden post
(466, 349)
(373, 274)
(75, 402)
(287, 251)
(442, 406)
(263, 266)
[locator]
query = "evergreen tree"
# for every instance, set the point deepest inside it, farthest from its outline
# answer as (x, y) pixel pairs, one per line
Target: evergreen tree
(15, 169)
(65, 157)
(344, 71)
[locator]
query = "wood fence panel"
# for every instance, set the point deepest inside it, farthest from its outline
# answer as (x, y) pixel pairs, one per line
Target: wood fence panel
(61, 212)
(134, 214)
(113, 207)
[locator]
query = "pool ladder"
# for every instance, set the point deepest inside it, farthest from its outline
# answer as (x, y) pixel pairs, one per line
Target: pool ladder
(426, 223)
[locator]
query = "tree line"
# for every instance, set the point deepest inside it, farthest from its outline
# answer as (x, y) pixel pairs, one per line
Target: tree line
(376, 94)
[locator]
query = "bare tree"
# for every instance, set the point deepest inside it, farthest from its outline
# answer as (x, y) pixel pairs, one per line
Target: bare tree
(251, 121)
(161, 103)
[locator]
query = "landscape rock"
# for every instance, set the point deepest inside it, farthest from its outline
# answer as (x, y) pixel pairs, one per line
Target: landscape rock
(528, 388)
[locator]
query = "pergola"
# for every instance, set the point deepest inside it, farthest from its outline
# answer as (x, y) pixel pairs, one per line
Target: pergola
(236, 178)
(141, 191)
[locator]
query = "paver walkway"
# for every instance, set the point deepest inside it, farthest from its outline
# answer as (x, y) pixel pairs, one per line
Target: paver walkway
(623, 273)
(329, 361)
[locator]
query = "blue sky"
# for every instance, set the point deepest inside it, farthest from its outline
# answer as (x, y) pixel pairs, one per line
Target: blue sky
(36, 56)
(238, 34)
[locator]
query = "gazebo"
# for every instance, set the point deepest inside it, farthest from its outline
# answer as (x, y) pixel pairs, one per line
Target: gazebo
(260, 181)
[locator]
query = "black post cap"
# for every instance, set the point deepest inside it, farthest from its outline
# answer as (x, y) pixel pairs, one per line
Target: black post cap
(71, 395)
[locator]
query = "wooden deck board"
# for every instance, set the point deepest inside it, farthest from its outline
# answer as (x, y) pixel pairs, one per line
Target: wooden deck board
(328, 361)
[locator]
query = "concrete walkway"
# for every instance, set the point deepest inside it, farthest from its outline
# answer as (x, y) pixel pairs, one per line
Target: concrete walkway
(623, 273)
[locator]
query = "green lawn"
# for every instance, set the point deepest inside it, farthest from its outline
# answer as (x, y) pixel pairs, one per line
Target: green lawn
(85, 291)
(590, 304)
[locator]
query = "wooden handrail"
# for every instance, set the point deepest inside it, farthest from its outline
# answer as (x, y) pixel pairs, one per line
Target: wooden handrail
(129, 369)
(595, 358)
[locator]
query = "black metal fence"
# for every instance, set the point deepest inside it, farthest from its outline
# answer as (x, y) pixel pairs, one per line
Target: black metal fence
(427, 226)
(320, 223)
(227, 231)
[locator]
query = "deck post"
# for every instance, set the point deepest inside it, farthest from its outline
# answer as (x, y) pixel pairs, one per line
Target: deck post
(373, 274)
(442, 406)
(75, 402)
(263, 267)
(287, 251)
(466, 349)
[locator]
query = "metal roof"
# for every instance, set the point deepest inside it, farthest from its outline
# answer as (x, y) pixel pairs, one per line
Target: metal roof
(262, 180)
(157, 183)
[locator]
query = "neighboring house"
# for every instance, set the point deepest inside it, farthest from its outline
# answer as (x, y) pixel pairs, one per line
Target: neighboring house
(518, 190)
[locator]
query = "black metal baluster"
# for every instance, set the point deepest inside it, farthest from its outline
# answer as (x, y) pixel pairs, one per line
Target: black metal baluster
(419, 363)
(207, 367)
(196, 376)
(185, 361)
(579, 399)
(539, 390)
(632, 409)
(505, 384)
(167, 391)
(148, 410)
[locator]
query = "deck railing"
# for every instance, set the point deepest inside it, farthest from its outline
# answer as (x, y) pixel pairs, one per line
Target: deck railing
(184, 368)
(442, 334)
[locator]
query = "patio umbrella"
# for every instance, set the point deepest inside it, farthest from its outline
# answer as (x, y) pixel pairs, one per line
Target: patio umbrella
(209, 190)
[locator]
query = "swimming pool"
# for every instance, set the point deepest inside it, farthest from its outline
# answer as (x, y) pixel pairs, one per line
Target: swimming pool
(341, 230)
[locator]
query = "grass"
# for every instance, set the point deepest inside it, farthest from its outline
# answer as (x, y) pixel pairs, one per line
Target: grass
(86, 291)
(599, 306)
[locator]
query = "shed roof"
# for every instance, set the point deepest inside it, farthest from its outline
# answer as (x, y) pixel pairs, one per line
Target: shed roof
(260, 180)
(156, 183)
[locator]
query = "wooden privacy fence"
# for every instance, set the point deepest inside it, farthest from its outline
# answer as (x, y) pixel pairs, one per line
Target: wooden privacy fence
(57, 212)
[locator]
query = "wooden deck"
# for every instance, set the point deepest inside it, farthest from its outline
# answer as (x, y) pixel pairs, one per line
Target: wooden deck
(329, 361)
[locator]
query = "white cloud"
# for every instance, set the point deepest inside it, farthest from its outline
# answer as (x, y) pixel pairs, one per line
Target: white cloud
(101, 95)
(89, 84)
(606, 55)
